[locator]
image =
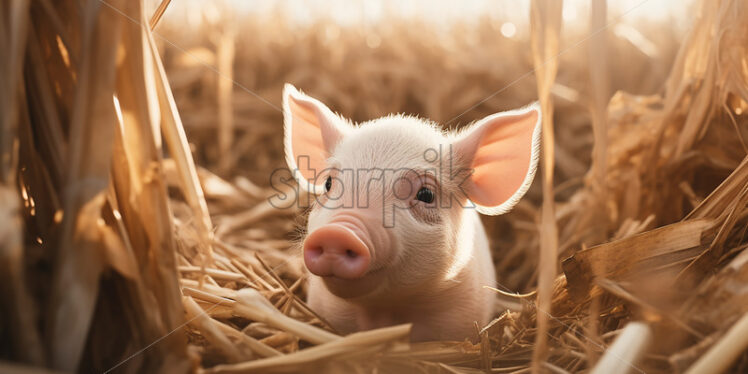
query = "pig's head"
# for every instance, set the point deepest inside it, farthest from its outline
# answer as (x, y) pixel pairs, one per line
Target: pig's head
(391, 193)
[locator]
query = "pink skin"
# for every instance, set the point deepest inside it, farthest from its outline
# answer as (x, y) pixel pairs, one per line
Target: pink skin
(395, 257)
(335, 251)
(342, 251)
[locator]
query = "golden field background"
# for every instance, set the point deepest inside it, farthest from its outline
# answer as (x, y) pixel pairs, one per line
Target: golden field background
(452, 75)
(136, 235)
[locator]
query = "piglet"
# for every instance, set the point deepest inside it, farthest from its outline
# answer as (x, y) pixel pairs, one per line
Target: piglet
(394, 235)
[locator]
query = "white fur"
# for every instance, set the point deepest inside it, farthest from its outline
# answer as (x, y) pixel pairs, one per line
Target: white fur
(435, 272)
(401, 125)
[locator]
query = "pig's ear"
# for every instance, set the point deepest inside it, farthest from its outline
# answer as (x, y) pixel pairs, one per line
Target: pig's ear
(311, 132)
(502, 152)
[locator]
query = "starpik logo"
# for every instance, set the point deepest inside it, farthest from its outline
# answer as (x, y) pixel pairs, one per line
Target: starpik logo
(349, 188)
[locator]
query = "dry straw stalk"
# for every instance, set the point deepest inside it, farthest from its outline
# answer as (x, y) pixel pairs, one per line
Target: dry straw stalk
(119, 253)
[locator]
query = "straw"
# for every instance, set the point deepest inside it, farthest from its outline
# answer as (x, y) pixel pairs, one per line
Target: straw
(136, 168)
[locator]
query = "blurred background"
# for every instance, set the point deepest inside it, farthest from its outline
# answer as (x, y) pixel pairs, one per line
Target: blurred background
(112, 239)
(452, 62)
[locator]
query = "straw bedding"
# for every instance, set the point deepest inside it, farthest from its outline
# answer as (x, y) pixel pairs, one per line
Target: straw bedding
(136, 233)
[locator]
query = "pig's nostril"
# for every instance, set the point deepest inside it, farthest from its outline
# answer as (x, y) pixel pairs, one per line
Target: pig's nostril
(333, 250)
(315, 251)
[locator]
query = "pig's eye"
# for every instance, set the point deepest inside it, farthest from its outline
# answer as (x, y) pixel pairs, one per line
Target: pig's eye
(328, 184)
(425, 195)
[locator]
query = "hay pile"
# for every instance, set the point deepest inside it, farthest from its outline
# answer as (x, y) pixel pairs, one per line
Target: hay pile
(118, 254)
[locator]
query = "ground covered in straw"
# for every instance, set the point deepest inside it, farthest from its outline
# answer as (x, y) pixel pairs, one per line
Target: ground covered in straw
(136, 233)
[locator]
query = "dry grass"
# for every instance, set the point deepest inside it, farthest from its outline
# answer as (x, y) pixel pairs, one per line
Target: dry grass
(117, 252)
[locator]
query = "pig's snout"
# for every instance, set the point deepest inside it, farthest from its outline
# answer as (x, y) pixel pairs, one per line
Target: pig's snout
(334, 250)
